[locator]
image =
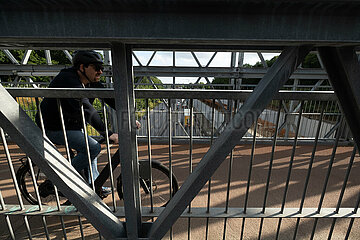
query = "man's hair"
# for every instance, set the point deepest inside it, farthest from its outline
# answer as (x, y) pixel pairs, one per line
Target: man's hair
(86, 57)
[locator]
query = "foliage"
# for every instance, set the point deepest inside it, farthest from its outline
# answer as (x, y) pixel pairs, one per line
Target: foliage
(221, 81)
(37, 57)
(310, 61)
(145, 83)
(28, 104)
(268, 62)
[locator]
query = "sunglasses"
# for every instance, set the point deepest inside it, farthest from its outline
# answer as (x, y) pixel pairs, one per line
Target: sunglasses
(98, 67)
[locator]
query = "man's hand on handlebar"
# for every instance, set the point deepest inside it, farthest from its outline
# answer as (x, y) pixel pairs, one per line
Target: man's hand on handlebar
(138, 124)
(114, 138)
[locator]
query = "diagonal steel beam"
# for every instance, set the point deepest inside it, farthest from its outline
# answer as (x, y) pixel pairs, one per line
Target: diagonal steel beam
(277, 75)
(343, 68)
(28, 136)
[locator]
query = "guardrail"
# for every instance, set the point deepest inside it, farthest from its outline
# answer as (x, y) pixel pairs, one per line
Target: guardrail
(248, 210)
(203, 105)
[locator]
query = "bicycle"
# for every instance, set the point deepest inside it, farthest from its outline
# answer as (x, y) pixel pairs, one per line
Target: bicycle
(160, 183)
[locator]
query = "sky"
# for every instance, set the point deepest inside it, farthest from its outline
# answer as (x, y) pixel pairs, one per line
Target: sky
(186, 59)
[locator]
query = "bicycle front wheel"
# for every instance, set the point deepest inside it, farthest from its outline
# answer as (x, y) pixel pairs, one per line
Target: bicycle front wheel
(45, 187)
(160, 185)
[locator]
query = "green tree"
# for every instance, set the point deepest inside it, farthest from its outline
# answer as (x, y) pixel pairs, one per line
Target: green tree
(221, 81)
(37, 57)
(268, 62)
(145, 83)
(311, 61)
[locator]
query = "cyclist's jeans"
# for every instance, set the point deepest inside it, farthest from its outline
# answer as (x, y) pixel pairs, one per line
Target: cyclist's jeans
(76, 141)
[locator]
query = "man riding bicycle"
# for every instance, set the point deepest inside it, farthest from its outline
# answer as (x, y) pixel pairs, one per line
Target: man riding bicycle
(85, 73)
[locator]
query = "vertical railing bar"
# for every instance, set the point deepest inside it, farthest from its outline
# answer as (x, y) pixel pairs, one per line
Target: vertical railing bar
(2, 203)
(45, 228)
(81, 228)
(319, 107)
(174, 64)
(242, 229)
(312, 159)
(308, 110)
(250, 166)
(229, 182)
(63, 227)
(314, 228)
(349, 228)
(278, 229)
(329, 168)
(296, 228)
(191, 156)
(315, 108)
(55, 188)
(272, 156)
(87, 145)
(170, 145)
(17, 190)
(260, 228)
(8, 222)
(68, 154)
(332, 117)
(35, 184)
(149, 152)
(207, 228)
(233, 111)
(191, 140)
(27, 225)
(63, 130)
(212, 121)
(346, 179)
(337, 118)
(292, 156)
(109, 154)
(209, 182)
(170, 155)
(11, 166)
(224, 232)
(30, 161)
(332, 228)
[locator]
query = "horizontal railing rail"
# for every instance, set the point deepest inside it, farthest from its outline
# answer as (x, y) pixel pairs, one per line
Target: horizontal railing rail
(168, 93)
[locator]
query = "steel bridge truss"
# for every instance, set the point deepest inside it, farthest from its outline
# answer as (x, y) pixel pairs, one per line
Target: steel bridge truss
(130, 28)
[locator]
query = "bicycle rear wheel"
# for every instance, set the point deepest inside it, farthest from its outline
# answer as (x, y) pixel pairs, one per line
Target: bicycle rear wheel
(46, 189)
(161, 193)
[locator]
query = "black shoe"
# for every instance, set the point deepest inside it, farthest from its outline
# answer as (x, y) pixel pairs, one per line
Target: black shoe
(104, 192)
(67, 203)
(46, 188)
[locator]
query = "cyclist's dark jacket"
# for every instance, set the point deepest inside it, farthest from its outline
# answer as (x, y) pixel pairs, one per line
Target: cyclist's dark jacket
(68, 78)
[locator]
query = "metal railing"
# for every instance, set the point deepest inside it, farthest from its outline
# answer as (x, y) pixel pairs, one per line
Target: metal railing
(202, 118)
(306, 185)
